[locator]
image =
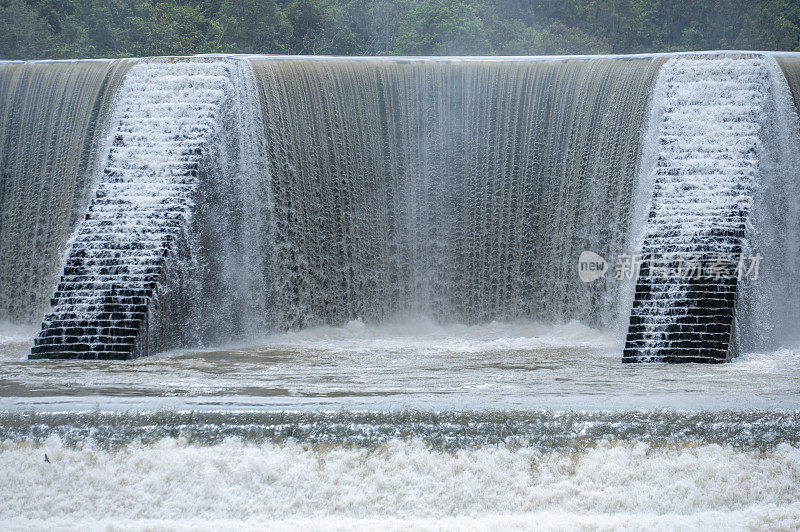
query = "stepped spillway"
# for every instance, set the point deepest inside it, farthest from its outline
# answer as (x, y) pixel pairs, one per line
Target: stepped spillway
(707, 164)
(110, 301)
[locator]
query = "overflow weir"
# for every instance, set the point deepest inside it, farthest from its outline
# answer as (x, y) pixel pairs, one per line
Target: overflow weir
(707, 165)
(109, 302)
(211, 199)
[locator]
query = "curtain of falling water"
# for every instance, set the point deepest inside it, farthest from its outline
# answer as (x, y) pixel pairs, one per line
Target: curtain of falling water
(790, 65)
(51, 124)
(768, 308)
(462, 190)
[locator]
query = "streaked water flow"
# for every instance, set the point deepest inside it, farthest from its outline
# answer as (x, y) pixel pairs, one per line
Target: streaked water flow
(461, 190)
(52, 124)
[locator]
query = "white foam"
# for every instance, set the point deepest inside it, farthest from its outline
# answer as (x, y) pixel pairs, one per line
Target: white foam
(769, 515)
(709, 117)
(174, 483)
(772, 362)
(432, 336)
(16, 333)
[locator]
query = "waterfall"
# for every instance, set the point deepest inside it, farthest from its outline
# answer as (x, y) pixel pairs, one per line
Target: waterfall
(131, 272)
(710, 163)
(216, 199)
(52, 122)
(768, 308)
(790, 65)
(464, 190)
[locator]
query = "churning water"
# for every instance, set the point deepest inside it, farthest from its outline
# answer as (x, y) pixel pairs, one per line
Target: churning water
(389, 330)
(408, 424)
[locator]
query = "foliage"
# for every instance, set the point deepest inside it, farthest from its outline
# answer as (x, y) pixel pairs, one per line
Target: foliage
(442, 27)
(34, 29)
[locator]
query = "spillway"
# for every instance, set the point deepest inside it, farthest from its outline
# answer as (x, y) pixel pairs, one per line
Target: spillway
(461, 190)
(127, 266)
(708, 149)
(52, 124)
(214, 199)
(716, 153)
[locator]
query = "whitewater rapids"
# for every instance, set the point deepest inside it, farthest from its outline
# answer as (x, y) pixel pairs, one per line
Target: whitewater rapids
(408, 424)
(173, 483)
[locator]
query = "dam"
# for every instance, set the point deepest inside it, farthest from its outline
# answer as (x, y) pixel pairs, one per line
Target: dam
(158, 203)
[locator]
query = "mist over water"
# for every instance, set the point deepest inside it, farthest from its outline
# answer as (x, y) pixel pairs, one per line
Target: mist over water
(768, 310)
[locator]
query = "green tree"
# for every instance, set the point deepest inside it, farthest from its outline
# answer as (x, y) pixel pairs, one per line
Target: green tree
(253, 27)
(774, 27)
(23, 35)
(374, 23)
(182, 30)
(33, 29)
(442, 27)
(560, 39)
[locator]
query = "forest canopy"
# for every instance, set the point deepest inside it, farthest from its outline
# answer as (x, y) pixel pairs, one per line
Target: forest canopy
(54, 29)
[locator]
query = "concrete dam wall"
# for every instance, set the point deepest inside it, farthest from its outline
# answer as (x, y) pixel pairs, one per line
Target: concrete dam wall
(180, 202)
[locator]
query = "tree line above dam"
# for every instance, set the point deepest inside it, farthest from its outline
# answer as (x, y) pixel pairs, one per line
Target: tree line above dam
(56, 29)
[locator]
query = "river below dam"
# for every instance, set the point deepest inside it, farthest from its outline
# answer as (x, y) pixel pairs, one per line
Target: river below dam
(410, 424)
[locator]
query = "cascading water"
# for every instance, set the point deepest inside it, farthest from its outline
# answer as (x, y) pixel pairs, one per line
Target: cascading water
(461, 190)
(129, 273)
(768, 307)
(707, 164)
(790, 66)
(715, 150)
(52, 124)
(464, 190)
